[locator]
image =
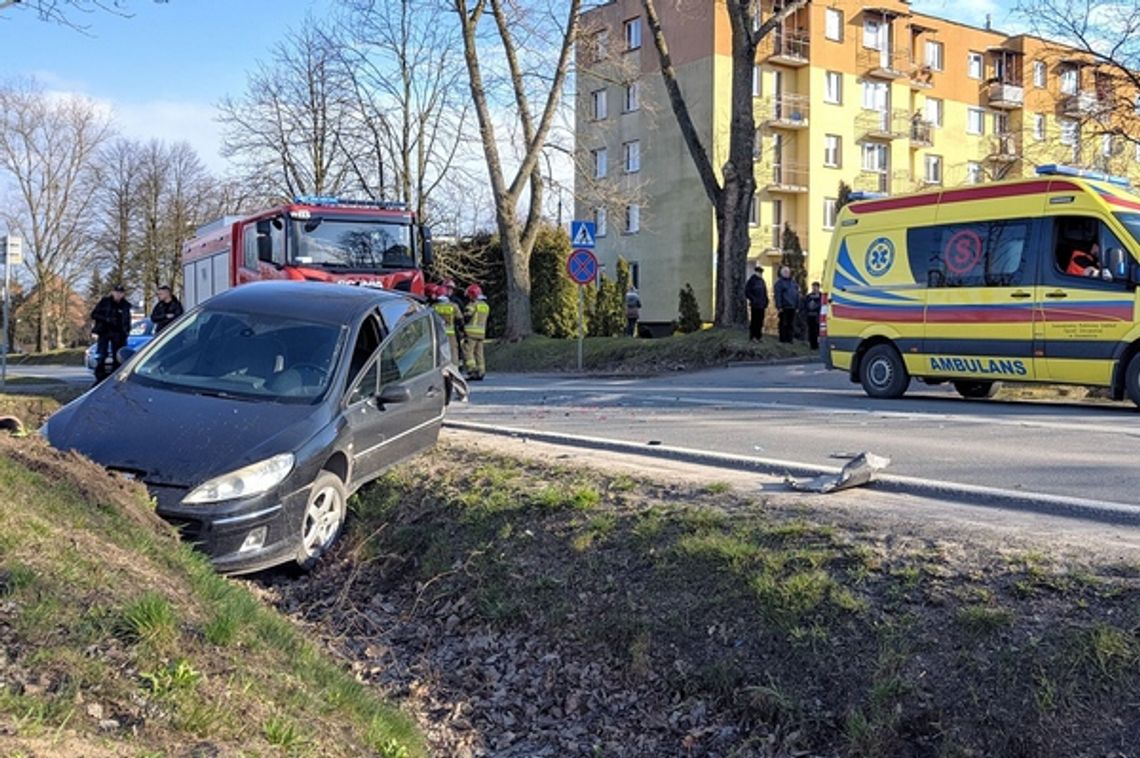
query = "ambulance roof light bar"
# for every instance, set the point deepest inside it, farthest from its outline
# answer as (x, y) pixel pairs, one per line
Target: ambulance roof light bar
(861, 195)
(1058, 169)
(333, 200)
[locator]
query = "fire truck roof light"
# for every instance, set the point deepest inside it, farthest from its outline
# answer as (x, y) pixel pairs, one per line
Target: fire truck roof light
(855, 196)
(333, 200)
(1058, 169)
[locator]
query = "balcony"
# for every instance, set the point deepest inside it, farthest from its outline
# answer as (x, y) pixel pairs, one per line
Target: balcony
(921, 133)
(1005, 148)
(883, 125)
(786, 48)
(888, 63)
(787, 178)
(771, 238)
(872, 181)
(785, 112)
(1080, 105)
(921, 76)
(1006, 95)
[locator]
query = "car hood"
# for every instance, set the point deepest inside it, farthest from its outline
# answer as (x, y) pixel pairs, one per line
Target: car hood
(177, 438)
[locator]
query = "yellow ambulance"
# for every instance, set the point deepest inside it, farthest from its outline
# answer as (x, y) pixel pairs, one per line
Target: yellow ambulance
(1031, 280)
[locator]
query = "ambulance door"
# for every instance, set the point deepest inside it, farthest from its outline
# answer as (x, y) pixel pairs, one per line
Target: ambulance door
(1085, 311)
(980, 279)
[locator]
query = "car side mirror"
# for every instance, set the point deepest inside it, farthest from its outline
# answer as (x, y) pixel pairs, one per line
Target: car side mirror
(394, 393)
(1117, 262)
(427, 255)
(124, 354)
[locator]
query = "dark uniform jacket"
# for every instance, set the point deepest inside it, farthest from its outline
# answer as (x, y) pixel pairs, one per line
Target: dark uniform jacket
(756, 292)
(165, 313)
(112, 319)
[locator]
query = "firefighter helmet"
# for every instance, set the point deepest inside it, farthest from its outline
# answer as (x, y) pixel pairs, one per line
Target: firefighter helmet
(474, 292)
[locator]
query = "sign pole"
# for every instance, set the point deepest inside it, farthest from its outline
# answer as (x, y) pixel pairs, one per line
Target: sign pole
(581, 323)
(4, 340)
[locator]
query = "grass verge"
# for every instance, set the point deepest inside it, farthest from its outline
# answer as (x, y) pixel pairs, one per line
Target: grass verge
(806, 634)
(704, 349)
(117, 639)
(72, 356)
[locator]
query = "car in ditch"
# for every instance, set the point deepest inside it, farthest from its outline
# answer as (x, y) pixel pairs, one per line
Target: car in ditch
(254, 417)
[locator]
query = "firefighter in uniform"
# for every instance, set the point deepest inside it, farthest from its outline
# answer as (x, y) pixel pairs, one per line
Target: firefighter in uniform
(452, 319)
(475, 316)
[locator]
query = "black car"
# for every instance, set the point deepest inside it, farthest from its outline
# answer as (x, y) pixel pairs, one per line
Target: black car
(252, 419)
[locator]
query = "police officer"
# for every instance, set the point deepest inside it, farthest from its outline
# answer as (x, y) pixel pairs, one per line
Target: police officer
(112, 317)
(476, 315)
(165, 310)
(452, 319)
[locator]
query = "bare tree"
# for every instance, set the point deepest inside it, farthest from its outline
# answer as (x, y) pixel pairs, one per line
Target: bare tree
(119, 172)
(516, 239)
(48, 149)
(1106, 35)
(730, 195)
(286, 130)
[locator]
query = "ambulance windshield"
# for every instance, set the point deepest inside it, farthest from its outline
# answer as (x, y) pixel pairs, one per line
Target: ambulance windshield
(1131, 222)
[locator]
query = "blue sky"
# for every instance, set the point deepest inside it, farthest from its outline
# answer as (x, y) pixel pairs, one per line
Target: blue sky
(162, 70)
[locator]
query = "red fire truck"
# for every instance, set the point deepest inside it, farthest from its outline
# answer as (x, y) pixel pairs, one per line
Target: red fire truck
(327, 239)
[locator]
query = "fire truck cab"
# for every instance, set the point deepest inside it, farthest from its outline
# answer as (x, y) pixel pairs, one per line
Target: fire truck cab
(361, 242)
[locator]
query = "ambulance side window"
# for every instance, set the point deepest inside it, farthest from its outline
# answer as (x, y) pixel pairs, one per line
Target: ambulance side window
(982, 254)
(1080, 245)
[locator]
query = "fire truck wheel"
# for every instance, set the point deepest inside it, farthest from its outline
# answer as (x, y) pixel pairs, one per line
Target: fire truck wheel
(323, 519)
(883, 372)
(977, 390)
(1132, 379)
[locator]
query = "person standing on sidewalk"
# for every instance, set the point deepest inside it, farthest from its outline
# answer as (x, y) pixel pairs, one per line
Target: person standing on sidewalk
(813, 304)
(165, 310)
(787, 302)
(756, 293)
(112, 317)
(632, 311)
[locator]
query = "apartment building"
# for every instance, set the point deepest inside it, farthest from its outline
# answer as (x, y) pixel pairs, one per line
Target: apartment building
(879, 97)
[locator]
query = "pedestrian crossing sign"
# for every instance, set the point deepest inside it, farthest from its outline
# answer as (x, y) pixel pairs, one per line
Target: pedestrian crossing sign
(582, 234)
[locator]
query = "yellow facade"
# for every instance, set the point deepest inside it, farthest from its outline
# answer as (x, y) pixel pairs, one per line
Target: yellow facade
(921, 102)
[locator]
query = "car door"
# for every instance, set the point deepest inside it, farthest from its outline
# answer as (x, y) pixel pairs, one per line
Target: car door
(396, 407)
(980, 299)
(1085, 315)
(366, 420)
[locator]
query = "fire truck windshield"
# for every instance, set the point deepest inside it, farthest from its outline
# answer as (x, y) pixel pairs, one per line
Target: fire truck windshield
(354, 244)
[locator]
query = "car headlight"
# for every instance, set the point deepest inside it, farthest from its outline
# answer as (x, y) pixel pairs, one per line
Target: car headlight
(247, 481)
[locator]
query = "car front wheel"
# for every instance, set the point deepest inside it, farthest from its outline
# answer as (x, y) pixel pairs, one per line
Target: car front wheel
(883, 373)
(323, 519)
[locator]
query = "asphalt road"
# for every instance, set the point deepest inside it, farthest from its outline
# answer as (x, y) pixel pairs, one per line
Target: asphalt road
(805, 414)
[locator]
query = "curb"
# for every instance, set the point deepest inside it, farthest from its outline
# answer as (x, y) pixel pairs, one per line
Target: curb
(968, 494)
(793, 361)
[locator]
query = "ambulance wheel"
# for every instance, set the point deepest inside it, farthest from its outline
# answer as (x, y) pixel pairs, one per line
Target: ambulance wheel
(883, 372)
(1132, 379)
(976, 390)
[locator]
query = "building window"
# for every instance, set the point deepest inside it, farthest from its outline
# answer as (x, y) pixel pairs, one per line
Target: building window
(632, 155)
(632, 218)
(974, 65)
(599, 45)
(1038, 126)
(1070, 132)
(874, 157)
(599, 96)
(932, 110)
(1001, 124)
(758, 145)
(975, 121)
(633, 34)
(829, 212)
(876, 95)
(757, 81)
(1069, 80)
(973, 173)
(599, 222)
(832, 150)
(872, 33)
(1138, 151)
(833, 24)
(1039, 74)
(933, 169)
(933, 54)
(632, 97)
(754, 212)
(600, 163)
(1106, 145)
(833, 87)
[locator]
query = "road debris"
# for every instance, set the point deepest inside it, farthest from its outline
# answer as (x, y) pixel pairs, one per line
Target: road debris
(859, 470)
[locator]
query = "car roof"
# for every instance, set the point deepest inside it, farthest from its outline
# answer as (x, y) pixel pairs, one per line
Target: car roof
(308, 301)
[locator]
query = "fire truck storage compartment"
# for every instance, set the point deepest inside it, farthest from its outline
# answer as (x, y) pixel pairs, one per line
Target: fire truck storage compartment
(206, 277)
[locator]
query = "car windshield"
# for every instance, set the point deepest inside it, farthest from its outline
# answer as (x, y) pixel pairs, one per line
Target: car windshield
(353, 244)
(244, 355)
(1131, 222)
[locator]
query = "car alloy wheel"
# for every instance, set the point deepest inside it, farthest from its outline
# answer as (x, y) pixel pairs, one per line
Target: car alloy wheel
(323, 519)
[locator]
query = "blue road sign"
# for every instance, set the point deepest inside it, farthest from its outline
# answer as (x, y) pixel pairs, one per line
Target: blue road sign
(582, 234)
(582, 266)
